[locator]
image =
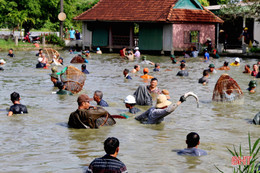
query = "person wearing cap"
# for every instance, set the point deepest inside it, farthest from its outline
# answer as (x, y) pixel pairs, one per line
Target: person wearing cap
(40, 63)
(247, 69)
(87, 54)
(174, 61)
(2, 62)
(183, 61)
(252, 86)
(10, 53)
(77, 35)
(130, 104)
(212, 68)
(72, 34)
(62, 90)
(109, 163)
(164, 107)
(156, 67)
(255, 70)
(98, 97)
(126, 74)
(225, 66)
(136, 69)
(137, 52)
(146, 61)
(152, 88)
(166, 92)
(236, 63)
(215, 55)
(192, 141)
(84, 69)
(204, 80)
(146, 76)
(245, 35)
(54, 76)
(40, 53)
(183, 72)
(17, 108)
(98, 51)
(87, 116)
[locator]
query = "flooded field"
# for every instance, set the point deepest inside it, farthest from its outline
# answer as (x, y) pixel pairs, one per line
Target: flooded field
(41, 141)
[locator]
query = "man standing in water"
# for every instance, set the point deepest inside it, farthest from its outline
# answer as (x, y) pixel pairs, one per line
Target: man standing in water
(17, 108)
(152, 88)
(192, 141)
(109, 162)
(164, 107)
(98, 95)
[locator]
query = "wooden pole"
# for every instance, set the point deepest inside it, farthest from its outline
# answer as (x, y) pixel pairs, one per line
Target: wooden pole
(61, 22)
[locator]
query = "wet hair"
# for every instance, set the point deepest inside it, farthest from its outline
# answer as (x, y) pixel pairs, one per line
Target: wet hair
(136, 66)
(156, 65)
(182, 65)
(205, 72)
(60, 85)
(192, 139)
(83, 66)
(154, 79)
(15, 96)
(126, 71)
(225, 63)
(248, 65)
(11, 49)
(110, 145)
(99, 94)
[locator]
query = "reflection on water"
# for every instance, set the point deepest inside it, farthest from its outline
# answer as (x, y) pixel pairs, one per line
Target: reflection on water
(41, 140)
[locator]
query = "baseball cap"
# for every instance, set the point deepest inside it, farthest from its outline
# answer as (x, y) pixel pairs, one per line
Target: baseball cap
(84, 98)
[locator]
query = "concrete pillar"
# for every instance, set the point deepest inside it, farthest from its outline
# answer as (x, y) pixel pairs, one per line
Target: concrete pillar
(131, 36)
(16, 40)
(217, 39)
(110, 38)
(43, 41)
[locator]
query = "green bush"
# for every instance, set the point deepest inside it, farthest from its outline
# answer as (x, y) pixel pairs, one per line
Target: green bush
(53, 39)
(255, 50)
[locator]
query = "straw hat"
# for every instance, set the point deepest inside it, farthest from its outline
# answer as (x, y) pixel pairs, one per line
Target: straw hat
(162, 101)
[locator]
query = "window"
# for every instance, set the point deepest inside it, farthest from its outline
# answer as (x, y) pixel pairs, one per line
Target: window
(191, 37)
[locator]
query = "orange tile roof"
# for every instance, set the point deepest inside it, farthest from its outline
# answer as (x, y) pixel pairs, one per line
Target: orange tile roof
(145, 11)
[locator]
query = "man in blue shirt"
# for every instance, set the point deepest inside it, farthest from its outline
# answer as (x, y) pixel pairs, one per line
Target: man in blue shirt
(109, 162)
(192, 141)
(84, 69)
(72, 34)
(206, 55)
(98, 95)
(126, 74)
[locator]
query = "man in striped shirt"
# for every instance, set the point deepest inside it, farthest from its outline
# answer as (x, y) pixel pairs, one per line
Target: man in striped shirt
(108, 163)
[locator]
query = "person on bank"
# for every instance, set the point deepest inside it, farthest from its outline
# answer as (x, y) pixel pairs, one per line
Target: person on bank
(109, 162)
(98, 95)
(10, 53)
(84, 69)
(204, 80)
(183, 71)
(164, 107)
(87, 116)
(62, 90)
(192, 141)
(17, 108)
(130, 104)
(126, 74)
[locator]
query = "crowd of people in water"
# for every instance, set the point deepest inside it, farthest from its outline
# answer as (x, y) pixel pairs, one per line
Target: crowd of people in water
(88, 116)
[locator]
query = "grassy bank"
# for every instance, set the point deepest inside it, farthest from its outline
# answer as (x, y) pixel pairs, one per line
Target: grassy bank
(6, 45)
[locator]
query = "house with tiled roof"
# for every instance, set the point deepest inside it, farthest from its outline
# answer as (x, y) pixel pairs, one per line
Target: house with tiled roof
(153, 25)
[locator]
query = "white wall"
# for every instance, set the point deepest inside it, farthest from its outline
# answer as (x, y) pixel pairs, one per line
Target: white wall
(257, 31)
(87, 35)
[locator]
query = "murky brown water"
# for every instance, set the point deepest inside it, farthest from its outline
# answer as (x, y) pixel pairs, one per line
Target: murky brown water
(41, 142)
